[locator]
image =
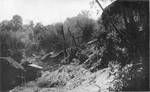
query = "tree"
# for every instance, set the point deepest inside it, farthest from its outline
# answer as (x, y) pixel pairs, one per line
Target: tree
(82, 27)
(16, 23)
(10, 46)
(5, 25)
(38, 28)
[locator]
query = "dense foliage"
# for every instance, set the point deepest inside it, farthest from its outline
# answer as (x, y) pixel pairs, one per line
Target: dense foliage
(127, 25)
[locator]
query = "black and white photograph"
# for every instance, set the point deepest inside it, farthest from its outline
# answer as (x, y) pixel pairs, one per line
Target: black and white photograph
(74, 46)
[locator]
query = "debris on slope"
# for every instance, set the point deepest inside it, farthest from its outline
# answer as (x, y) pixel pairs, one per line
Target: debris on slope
(73, 78)
(62, 76)
(68, 77)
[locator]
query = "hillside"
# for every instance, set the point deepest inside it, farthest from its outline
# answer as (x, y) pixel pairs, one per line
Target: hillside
(80, 54)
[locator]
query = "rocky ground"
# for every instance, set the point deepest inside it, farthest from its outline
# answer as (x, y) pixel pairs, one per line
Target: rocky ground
(75, 78)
